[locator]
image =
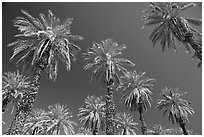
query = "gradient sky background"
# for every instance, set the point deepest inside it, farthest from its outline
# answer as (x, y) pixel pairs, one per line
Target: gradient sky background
(122, 22)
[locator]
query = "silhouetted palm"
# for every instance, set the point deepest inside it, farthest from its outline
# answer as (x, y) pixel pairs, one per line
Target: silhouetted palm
(137, 93)
(125, 124)
(104, 58)
(34, 123)
(171, 26)
(60, 120)
(92, 114)
(176, 107)
(41, 44)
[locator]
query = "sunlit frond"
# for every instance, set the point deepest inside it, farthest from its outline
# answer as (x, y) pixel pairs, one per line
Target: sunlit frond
(125, 124)
(60, 120)
(92, 114)
(173, 105)
(45, 40)
(105, 60)
(169, 25)
(136, 89)
(14, 86)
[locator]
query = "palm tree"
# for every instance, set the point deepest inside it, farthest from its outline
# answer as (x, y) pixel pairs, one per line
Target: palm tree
(14, 86)
(92, 114)
(125, 124)
(41, 44)
(104, 58)
(176, 107)
(60, 120)
(16, 90)
(137, 93)
(171, 26)
(34, 123)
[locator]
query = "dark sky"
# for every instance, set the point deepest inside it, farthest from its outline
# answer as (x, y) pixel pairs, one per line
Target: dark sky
(122, 22)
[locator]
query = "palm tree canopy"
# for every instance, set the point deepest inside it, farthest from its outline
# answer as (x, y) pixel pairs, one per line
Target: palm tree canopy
(60, 118)
(171, 26)
(48, 39)
(105, 59)
(92, 114)
(173, 104)
(36, 119)
(137, 89)
(125, 121)
(14, 85)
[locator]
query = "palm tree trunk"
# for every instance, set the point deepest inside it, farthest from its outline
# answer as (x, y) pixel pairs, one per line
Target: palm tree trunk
(28, 100)
(198, 50)
(143, 123)
(183, 126)
(110, 109)
(124, 131)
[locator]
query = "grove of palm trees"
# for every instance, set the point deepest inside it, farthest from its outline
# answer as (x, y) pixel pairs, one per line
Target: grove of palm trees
(89, 68)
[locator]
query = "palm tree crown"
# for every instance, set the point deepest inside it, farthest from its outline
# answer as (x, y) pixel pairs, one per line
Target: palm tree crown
(45, 41)
(93, 113)
(14, 86)
(176, 107)
(137, 89)
(34, 124)
(166, 15)
(105, 59)
(60, 119)
(125, 124)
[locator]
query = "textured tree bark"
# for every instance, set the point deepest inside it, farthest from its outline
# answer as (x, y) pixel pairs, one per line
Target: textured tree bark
(110, 110)
(143, 123)
(183, 126)
(198, 49)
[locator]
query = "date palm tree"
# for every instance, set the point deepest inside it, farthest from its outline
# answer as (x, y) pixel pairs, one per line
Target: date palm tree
(41, 44)
(92, 114)
(60, 120)
(34, 123)
(176, 107)
(14, 86)
(137, 93)
(16, 90)
(125, 124)
(104, 58)
(171, 26)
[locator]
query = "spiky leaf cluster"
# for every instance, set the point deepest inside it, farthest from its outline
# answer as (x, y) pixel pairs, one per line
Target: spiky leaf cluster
(170, 26)
(92, 114)
(136, 89)
(44, 40)
(125, 122)
(173, 105)
(14, 87)
(105, 60)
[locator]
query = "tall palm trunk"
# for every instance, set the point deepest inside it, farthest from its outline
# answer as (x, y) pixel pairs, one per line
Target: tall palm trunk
(183, 126)
(124, 131)
(29, 97)
(110, 109)
(143, 123)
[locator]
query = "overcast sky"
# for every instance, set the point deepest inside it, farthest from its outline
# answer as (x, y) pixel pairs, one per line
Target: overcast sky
(121, 22)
